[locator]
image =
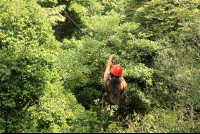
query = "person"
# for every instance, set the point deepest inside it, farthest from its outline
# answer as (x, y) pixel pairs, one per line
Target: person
(115, 84)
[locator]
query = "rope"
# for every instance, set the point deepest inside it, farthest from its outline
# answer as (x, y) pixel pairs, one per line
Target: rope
(75, 23)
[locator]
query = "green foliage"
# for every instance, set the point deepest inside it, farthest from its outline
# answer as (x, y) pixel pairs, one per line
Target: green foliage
(51, 86)
(95, 7)
(27, 56)
(54, 14)
(168, 21)
(163, 121)
(115, 127)
(177, 75)
(59, 111)
(47, 3)
(122, 39)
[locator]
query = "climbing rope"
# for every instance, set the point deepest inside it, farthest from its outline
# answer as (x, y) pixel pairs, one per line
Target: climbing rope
(75, 23)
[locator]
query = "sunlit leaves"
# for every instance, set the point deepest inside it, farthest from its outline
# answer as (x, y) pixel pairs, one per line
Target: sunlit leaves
(168, 18)
(27, 56)
(55, 14)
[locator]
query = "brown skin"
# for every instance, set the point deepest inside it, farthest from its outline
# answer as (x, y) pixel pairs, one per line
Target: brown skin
(107, 74)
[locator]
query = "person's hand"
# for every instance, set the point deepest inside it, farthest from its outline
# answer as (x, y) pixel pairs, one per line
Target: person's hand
(112, 56)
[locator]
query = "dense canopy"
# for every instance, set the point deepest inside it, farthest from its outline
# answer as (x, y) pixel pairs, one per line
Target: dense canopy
(53, 54)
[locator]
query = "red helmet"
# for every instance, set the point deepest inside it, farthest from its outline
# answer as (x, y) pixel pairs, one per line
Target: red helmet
(116, 70)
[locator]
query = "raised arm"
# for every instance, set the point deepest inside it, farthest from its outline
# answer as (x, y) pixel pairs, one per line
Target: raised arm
(107, 71)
